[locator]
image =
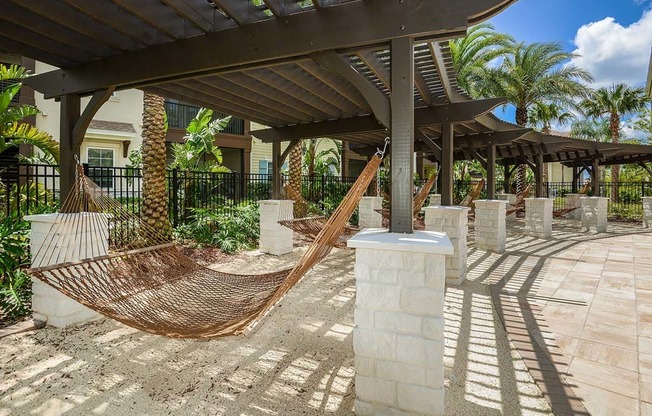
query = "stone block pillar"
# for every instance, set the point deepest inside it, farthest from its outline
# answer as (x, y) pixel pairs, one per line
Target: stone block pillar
(511, 199)
(454, 221)
(573, 201)
(59, 238)
(490, 225)
(274, 238)
(594, 213)
(647, 212)
(538, 217)
(367, 215)
(435, 200)
(399, 315)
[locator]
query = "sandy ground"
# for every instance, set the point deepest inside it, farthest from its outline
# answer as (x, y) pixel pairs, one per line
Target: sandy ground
(299, 361)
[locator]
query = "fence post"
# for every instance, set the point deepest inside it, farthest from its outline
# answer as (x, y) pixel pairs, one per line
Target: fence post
(323, 190)
(175, 197)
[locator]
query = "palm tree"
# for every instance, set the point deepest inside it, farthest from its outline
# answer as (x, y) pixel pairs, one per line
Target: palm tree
(594, 129)
(614, 102)
(474, 52)
(13, 133)
(154, 210)
(322, 162)
(295, 162)
(535, 73)
(543, 115)
(644, 123)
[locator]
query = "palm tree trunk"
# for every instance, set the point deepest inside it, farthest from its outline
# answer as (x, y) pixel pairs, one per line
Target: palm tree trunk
(614, 125)
(154, 210)
(295, 162)
(521, 172)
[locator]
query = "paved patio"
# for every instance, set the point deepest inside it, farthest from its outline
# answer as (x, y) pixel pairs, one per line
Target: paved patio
(578, 308)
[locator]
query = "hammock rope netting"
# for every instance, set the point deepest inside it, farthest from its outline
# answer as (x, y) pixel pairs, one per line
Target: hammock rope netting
(147, 283)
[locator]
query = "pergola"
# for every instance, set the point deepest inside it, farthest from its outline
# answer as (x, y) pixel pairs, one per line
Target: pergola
(356, 70)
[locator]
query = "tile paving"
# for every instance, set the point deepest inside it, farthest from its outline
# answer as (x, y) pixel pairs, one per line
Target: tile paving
(579, 305)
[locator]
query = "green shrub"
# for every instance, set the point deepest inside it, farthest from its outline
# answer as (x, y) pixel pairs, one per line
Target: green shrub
(15, 285)
(231, 232)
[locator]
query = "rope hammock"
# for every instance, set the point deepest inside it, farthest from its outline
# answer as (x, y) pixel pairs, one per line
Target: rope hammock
(418, 202)
(148, 284)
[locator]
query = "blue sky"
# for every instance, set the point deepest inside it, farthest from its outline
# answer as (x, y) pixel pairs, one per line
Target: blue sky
(613, 37)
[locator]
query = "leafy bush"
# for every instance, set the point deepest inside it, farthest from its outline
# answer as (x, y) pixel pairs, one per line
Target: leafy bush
(15, 285)
(33, 197)
(231, 232)
(628, 196)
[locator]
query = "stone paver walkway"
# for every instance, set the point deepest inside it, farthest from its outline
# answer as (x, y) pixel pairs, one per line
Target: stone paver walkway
(586, 300)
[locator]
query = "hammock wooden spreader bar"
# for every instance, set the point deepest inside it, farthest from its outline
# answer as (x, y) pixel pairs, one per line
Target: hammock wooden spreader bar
(149, 284)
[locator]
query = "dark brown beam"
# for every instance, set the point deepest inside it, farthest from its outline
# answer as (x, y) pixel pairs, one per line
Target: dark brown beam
(446, 82)
(402, 135)
(576, 175)
(594, 177)
(242, 12)
(283, 7)
(376, 99)
(491, 171)
(433, 147)
(646, 168)
(199, 14)
(276, 170)
(423, 117)
(81, 125)
(165, 19)
(538, 174)
(353, 24)
(70, 113)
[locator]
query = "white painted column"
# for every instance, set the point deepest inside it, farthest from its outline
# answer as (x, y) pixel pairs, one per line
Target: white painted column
(59, 238)
(594, 213)
(573, 201)
(647, 212)
(490, 225)
(435, 200)
(454, 221)
(399, 315)
(274, 238)
(367, 215)
(511, 199)
(538, 217)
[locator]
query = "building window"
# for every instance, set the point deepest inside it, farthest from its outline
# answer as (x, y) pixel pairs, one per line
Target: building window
(100, 164)
(265, 167)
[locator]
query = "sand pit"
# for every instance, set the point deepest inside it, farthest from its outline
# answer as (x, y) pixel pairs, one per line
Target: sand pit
(298, 362)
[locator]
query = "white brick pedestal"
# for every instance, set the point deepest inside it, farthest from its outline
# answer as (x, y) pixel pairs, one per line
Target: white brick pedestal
(399, 336)
(573, 201)
(490, 228)
(367, 216)
(60, 238)
(594, 213)
(454, 221)
(538, 217)
(435, 200)
(274, 238)
(511, 199)
(647, 212)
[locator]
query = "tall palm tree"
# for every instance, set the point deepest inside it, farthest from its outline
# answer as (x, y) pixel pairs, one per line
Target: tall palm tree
(594, 129)
(295, 164)
(614, 102)
(535, 73)
(543, 115)
(474, 52)
(155, 198)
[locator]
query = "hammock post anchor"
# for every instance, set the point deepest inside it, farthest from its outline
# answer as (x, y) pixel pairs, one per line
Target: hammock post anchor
(274, 238)
(399, 321)
(454, 221)
(435, 200)
(368, 217)
(48, 304)
(538, 217)
(594, 213)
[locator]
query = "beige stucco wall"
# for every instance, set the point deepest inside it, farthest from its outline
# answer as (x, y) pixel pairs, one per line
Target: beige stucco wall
(125, 107)
(559, 173)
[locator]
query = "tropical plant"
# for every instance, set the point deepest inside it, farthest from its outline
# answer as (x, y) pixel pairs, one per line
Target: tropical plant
(15, 285)
(535, 73)
(476, 51)
(644, 123)
(29, 197)
(321, 162)
(543, 115)
(199, 142)
(13, 133)
(614, 102)
(154, 210)
(295, 159)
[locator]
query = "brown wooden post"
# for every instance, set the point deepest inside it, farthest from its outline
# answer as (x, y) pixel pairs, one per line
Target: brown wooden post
(538, 162)
(595, 184)
(402, 134)
(345, 159)
(491, 171)
(507, 176)
(276, 170)
(70, 113)
(447, 164)
(576, 177)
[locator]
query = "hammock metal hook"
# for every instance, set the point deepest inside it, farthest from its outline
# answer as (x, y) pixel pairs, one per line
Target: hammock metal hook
(381, 153)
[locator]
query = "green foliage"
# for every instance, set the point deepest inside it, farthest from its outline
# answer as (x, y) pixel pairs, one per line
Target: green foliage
(321, 162)
(199, 143)
(15, 285)
(231, 232)
(14, 133)
(594, 129)
(644, 123)
(32, 195)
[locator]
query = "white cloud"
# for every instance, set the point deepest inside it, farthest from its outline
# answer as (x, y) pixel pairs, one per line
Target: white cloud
(614, 53)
